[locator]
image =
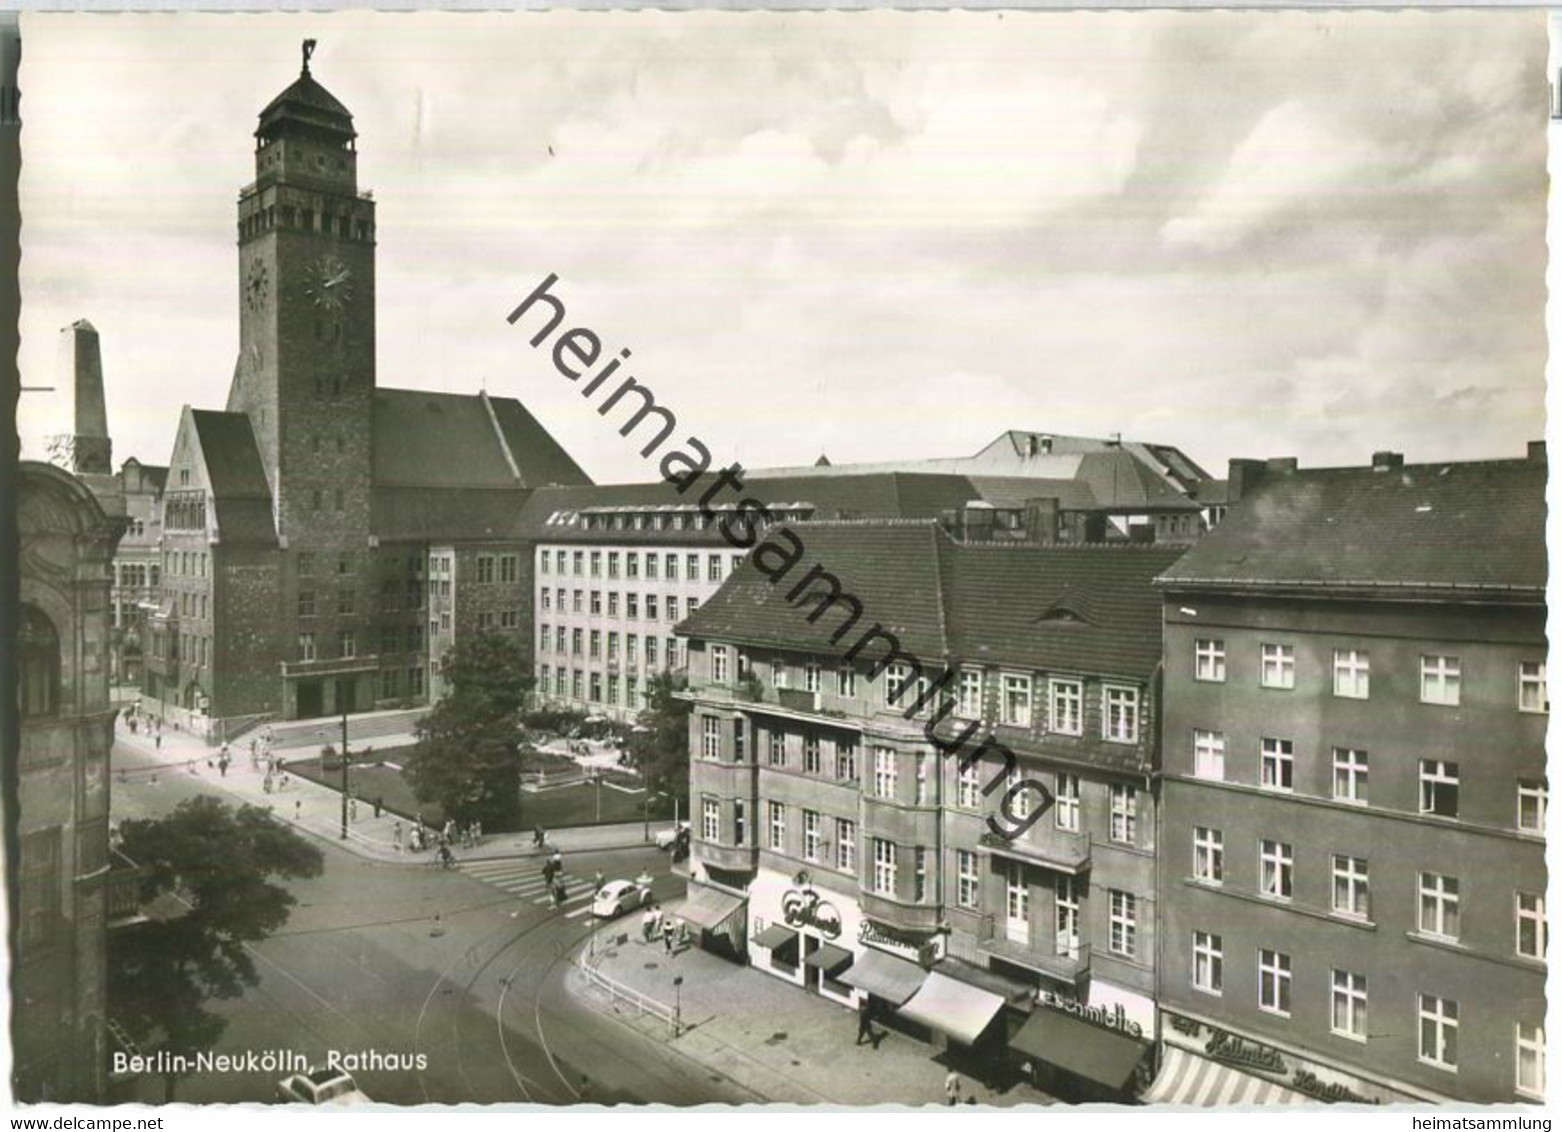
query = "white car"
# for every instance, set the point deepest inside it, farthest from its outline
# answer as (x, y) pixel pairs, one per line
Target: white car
(617, 897)
(322, 1086)
(667, 838)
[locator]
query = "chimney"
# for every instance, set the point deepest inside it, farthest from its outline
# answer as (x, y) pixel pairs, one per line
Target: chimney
(1387, 461)
(1537, 452)
(91, 450)
(1242, 476)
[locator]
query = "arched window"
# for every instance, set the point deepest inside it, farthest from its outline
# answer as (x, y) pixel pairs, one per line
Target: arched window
(38, 664)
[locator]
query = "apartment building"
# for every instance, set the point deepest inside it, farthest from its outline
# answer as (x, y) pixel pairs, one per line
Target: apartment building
(979, 869)
(1353, 818)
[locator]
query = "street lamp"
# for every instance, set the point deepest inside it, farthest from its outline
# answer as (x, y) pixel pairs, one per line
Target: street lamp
(677, 1005)
(344, 772)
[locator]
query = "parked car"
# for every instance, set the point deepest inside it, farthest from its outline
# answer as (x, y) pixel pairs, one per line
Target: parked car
(672, 836)
(322, 1086)
(618, 896)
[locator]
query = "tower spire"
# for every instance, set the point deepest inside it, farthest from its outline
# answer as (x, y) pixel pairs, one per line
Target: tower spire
(309, 49)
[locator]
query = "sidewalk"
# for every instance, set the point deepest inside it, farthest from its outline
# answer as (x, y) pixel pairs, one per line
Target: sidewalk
(317, 809)
(773, 1038)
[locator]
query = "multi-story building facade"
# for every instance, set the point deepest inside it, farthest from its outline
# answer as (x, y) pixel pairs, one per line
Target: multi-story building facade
(1353, 884)
(60, 906)
(867, 854)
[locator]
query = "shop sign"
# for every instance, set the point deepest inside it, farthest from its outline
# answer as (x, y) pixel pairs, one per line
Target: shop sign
(1113, 1019)
(803, 907)
(924, 952)
(1248, 1054)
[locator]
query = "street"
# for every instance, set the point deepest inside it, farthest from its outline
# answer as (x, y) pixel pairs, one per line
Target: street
(406, 959)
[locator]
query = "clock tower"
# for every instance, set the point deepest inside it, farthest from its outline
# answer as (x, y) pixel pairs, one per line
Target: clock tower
(305, 379)
(305, 375)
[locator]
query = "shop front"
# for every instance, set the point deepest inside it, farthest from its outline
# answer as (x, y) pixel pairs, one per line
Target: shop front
(1208, 1065)
(1081, 1053)
(803, 933)
(716, 918)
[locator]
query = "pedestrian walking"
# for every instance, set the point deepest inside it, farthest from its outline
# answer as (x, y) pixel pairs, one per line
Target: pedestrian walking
(157, 740)
(547, 873)
(558, 861)
(298, 809)
(558, 894)
(648, 925)
(396, 836)
(865, 1025)
(539, 837)
(952, 1089)
(477, 831)
(352, 809)
(667, 936)
(266, 785)
(379, 804)
(598, 883)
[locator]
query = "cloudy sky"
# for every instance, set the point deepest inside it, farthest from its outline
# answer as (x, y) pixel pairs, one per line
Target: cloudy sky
(871, 235)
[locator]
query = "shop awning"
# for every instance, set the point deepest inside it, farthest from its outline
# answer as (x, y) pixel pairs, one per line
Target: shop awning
(708, 908)
(958, 1009)
(829, 959)
(884, 976)
(1186, 1078)
(775, 936)
(1093, 1052)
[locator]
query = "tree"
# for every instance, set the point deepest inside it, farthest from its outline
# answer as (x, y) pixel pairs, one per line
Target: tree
(468, 758)
(660, 742)
(214, 865)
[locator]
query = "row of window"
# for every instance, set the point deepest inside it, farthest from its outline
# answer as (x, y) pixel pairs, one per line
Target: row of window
(192, 605)
(555, 600)
(138, 575)
(346, 646)
(1438, 1037)
(1437, 893)
(584, 687)
(391, 683)
(575, 642)
(508, 571)
(657, 566)
(1441, 675)
(1439, 778)
(346, 602)
(185, 563)
(1065, 697)
(488, 619)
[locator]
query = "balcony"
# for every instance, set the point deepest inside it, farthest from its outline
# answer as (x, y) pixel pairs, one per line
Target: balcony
(786, 703)
(920, 918)
(1049, 956)
(1044, 844)
(740, 858)
(336, 666)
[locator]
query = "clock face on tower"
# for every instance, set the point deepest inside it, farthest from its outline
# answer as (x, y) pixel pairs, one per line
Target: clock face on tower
(258, 288)
(328, 284)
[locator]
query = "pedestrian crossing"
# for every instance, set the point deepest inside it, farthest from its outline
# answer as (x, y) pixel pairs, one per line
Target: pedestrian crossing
(523, 880)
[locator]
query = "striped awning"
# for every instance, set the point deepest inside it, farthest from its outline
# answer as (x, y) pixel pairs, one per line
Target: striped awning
(1188, 1079)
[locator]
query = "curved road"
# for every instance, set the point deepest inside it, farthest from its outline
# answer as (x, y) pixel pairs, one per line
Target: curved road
(391, 961)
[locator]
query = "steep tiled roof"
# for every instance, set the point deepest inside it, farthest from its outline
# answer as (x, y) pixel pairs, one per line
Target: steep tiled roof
(1439, 526)
(891, 568)
(1086, 609)
(402, 514)
(240, 493)
(450, 440)
(1090, 609)
(540, 459)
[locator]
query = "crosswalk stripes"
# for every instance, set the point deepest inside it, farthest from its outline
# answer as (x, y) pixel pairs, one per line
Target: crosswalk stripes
(523, 879)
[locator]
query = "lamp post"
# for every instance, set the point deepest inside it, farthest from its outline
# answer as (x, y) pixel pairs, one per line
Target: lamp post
(677, 1005)
(344, 772)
